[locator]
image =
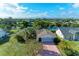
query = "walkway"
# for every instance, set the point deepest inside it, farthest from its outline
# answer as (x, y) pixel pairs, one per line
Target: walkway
(49, 49)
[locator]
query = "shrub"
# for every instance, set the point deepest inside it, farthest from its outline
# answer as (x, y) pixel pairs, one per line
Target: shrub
(13, 31)
(27, 33)
(56, 40)
(22, 34)
(20, 39)
(71, 52)
(31, 33)
(54, 31)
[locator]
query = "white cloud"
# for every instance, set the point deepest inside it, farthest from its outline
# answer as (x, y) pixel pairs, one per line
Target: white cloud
(36, 15)
(16, 11)
(11, 9)
(75, 5)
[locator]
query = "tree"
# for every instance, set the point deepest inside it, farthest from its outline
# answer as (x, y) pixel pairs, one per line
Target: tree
(59, 24)
(38, 24)
(22, 24)
(31, 32)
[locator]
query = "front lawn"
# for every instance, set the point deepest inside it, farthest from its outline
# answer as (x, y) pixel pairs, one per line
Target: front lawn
(16, 48)
(69, 48)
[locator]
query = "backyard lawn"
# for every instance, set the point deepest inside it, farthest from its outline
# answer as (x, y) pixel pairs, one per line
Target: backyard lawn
(69, 48)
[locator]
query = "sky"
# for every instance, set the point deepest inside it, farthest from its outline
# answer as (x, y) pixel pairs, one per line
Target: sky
(39, 10)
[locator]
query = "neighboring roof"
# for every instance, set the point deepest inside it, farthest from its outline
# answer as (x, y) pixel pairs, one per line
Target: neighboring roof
(2, 33)
(53, 28)
(68, 30)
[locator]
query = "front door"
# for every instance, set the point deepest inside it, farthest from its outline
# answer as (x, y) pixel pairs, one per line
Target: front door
(39, 39)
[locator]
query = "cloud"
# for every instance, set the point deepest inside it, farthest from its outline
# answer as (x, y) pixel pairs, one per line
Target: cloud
(16, 11)
(11, 9)
(36, 15)
(75, 5)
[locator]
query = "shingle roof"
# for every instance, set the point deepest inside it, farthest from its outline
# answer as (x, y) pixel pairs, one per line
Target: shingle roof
(44, 32)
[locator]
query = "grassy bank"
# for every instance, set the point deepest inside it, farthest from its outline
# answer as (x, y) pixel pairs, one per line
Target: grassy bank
(69, 48)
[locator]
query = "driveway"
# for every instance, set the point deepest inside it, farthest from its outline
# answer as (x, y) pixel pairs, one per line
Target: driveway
(49, 49)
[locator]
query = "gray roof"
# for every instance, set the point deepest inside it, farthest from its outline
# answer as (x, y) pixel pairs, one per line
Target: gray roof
(69, 31)
(44, 32)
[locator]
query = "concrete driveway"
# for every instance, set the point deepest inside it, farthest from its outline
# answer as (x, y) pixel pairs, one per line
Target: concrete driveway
(49, 49)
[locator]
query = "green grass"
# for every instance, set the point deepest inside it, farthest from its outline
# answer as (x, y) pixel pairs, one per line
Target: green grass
(69, 48)
(15, 48)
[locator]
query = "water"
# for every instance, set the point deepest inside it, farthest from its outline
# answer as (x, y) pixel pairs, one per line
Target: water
(3, 34)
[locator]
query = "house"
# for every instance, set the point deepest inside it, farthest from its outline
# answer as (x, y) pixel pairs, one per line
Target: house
(44, 35)
(70, 33)
(67, 33)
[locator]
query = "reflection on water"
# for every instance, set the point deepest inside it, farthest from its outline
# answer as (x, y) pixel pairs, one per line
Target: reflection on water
(3, 36)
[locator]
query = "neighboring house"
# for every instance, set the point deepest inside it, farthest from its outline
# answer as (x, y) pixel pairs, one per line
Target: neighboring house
(67, 33)
(3, 34)
(70, 33)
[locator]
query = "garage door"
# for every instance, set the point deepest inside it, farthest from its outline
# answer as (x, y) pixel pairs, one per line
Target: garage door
(47, 38)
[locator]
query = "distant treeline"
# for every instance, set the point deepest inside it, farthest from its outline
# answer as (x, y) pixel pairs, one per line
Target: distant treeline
(39, 22)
